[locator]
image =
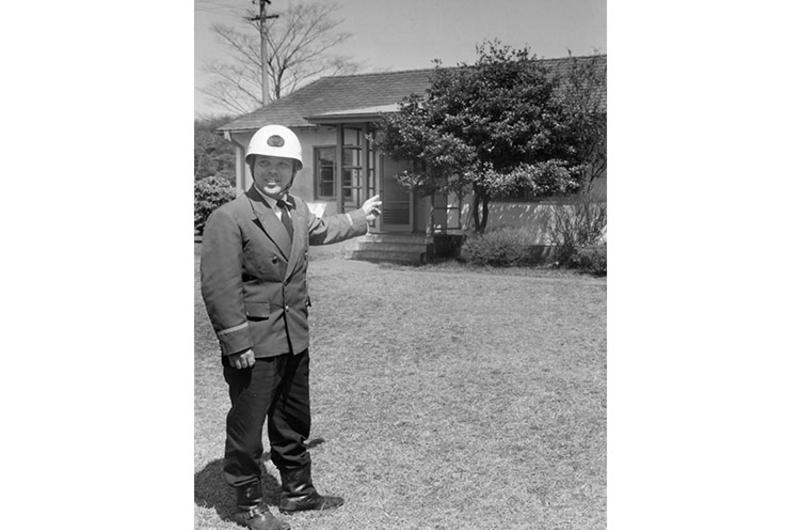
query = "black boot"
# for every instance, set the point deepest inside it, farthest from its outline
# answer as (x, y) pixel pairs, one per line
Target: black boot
(299, 494)
(251, 514)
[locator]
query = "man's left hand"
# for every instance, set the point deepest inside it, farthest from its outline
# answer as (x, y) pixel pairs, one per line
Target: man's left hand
(371, 207)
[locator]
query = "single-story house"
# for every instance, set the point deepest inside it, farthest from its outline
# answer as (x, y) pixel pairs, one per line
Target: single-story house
(333, 117)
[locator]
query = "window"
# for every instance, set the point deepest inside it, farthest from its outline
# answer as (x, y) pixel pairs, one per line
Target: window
(324, 172)
(352, 164)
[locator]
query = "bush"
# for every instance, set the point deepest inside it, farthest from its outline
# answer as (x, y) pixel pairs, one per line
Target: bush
(209, 194)
(577, 232)
(590, 259)
(503, 248)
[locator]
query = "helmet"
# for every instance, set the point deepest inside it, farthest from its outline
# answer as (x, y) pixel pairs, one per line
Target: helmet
(275, 140)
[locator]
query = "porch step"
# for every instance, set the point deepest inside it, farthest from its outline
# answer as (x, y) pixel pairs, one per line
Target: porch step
(392, 256)
(395, 248)
(398, 247)
(396, 238)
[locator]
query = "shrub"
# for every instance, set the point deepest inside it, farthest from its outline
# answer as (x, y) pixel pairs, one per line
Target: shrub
(503, 248)
(209, 194)
(575, 228)
(590, 259)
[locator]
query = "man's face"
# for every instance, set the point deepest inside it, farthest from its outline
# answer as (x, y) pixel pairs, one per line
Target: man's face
(272, 174)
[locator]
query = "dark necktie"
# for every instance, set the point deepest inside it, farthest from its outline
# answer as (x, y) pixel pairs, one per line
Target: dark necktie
(285, 219)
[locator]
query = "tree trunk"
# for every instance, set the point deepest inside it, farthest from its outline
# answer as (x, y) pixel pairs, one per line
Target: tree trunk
(485, 216)
(476, 218)
(480, 210)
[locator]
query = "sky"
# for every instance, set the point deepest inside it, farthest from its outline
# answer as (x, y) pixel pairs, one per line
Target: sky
(409, 34)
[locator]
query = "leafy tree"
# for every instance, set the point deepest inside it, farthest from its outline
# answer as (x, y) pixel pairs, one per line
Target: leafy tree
(299, 44)
(213, 155)
(582, 98)
(209, 194)
(500, 126)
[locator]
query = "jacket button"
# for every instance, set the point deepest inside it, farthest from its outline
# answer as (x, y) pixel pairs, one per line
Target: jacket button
(274, 259)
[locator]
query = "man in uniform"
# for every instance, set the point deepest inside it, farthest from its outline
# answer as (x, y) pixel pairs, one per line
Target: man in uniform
(253, 270)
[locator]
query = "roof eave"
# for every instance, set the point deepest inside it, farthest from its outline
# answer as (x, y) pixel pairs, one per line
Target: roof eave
(249, 128)
(333, 119)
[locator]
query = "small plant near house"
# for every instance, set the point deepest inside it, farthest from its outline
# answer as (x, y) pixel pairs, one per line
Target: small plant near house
(505, 247)
(209, 194)
(578, 231)
(591, 259)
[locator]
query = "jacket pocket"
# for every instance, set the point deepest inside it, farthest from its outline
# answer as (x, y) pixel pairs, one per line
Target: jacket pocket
(256, 310)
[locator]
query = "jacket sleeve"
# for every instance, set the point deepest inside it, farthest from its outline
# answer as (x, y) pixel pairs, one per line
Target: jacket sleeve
(221, 282)
(335, 228)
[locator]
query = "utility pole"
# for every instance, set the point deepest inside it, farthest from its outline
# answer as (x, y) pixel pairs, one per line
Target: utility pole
(262, 25)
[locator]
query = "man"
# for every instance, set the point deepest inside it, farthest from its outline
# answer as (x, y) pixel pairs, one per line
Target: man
(253, 270)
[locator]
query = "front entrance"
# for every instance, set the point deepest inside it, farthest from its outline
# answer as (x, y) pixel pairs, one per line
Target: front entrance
(358, 171)
(398, 202)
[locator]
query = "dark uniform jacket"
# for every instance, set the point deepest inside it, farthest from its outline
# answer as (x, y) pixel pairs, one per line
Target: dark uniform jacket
(254, 278)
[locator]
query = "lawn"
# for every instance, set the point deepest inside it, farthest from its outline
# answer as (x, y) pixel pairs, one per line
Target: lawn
(442, 398)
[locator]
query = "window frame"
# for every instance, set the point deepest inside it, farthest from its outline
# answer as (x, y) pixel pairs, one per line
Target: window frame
(318, 173)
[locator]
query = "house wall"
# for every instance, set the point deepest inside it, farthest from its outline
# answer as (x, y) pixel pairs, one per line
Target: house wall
(535, 216)
(311, 137)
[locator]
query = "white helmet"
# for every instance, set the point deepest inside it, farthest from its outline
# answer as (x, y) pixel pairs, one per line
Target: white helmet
(275, 140)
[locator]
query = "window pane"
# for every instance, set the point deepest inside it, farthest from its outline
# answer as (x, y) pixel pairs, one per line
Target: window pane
(326, 182)
(325, 162)
(352, 136)
(351, 156)
(347, 183)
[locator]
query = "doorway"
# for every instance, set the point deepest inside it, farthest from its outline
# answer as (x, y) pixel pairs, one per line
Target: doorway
(398, 201)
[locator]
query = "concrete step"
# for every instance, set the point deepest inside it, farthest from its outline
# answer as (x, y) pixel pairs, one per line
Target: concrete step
(396, 238)
(410, 248)
(343, 249)
(394, 248)
(392, 256)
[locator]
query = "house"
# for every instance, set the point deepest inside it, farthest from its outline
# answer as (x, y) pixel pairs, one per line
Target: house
(333, 118)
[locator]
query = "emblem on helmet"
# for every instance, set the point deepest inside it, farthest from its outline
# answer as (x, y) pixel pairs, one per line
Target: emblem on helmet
(275, 141)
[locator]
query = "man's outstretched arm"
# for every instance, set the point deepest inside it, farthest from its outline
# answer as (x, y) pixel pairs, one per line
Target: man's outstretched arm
(335, 228)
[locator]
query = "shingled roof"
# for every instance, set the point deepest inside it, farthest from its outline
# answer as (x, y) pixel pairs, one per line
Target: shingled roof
(350, 94)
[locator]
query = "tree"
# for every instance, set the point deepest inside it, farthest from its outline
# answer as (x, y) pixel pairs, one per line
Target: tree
(582, 99)
(299, 42)
(209, 194)
(213, 155)
(500, 126)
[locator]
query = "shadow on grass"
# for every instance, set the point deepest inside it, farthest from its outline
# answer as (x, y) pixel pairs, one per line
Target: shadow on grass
(211, 491)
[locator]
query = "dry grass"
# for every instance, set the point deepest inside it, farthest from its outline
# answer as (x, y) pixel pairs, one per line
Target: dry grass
(446, 399)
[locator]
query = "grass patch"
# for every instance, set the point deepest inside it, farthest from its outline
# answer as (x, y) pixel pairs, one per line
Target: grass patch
(441, 399)
(542, 271)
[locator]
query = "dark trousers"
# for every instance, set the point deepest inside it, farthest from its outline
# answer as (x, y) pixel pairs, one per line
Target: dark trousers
(275, 389)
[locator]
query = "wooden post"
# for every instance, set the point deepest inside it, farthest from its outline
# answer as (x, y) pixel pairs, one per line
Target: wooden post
(262, 29)
(339, 173)
(264, 62)
(364, 168)
(379, 186)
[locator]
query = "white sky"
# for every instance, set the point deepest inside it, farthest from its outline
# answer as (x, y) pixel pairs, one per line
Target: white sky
(400, 35)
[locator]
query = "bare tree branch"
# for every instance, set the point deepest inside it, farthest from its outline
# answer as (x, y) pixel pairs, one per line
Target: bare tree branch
(246, 47)
(299, 43)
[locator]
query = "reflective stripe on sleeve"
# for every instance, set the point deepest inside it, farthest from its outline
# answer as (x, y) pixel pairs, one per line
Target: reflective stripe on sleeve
(349, 218)
(233, 329)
